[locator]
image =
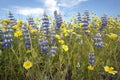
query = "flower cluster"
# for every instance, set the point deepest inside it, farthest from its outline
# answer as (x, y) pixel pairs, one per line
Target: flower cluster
(52, 37)
(58, 19)
(32, 23)
(12, 19)
(33, 27)
(110, 70)
(45, 24)
(104, 22)
(78, 18)
(98, 41)
(43, 43)
(53, 50)
(85, 22)
(26, 37)
(7, 38)
(91, 61)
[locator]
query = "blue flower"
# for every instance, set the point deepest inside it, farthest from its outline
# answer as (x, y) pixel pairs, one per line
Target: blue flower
(104, 22)
(91, 58)
(58, 19)
(45, 24)
(98, 41)
(78, 18)
(53, 50)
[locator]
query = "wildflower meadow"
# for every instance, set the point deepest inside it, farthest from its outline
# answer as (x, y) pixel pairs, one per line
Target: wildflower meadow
(86, 47)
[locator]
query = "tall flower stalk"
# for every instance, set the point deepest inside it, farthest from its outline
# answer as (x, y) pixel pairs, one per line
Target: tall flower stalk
(58, 20)
(104, 22)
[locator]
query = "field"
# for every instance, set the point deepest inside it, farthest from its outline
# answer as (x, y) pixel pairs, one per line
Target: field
(49, 48)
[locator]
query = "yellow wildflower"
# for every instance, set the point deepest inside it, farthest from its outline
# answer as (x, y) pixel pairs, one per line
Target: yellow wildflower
(15, 27)
(87, 31)
(53, 55)
(106, 44)
(80, 25)
(36, 23)
(29, 26)
(70, 30)
(66, 34)
(27, 64)
(33, 31)
(64, 30)
(110, 70)
(18, 33)
(20, 21)
(112, 36)
(61, 41)
(3, 28)
(65, 47)
(90, 67)
(74, 33)
(90, 25)
(57, 36)
(37, 19)
(50, 17)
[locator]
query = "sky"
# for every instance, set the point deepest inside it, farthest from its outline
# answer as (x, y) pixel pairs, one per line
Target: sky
(68, 8)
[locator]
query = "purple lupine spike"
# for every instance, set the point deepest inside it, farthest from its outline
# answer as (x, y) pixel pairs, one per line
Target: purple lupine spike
(78, 18)
(32, 23)
(104, 22)
(43, 43)
(91, 58)
(45, 24)
(26, 37)
(98, 41)
(84, 24)
(6, 39)
(87, 14)
(13, 20)
(58, 20)
(52, 37)
(53, 50)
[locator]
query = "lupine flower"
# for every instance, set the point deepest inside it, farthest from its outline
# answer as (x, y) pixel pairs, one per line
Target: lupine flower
(79, 18)
(104, 22)
(7, 38)
(85, 22)
(43, 45)
(98, 41)
(110, 70)
(12, 19)
(45, 24)
(65, 47)
(58, 20)
(53, 50)
(27, 64)
(91, 58)
(52, 37)
(26, 37)
(91, 61)
(32, 23)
